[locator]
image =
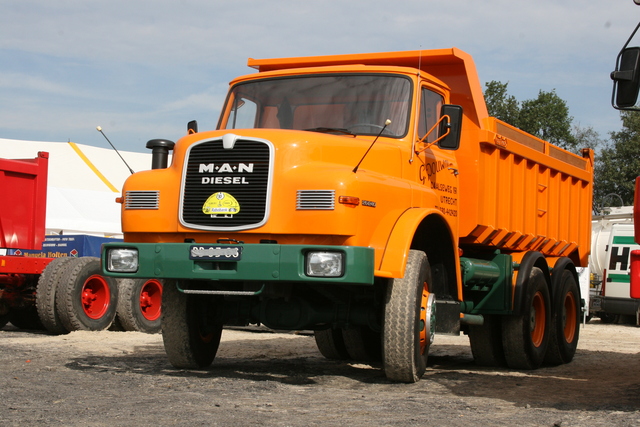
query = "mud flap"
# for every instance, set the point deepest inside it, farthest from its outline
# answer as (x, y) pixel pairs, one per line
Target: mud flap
(447, 317)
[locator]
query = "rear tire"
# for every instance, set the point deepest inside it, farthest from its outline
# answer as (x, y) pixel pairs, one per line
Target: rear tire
(608, 318)
(486, 342)
(363, 343)
(409, 321)
(525, 337)
(26, 318)
(139, 305)
(46, 296)
(565, 321)
(86, 300)
(4, 319)
(331, 344)
(190, 333)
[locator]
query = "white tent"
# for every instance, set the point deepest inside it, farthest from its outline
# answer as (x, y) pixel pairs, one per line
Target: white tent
(83, 184)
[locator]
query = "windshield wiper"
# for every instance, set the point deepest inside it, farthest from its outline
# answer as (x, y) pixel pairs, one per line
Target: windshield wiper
(330, 130)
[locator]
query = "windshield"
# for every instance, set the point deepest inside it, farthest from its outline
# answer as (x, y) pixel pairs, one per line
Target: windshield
(347, 103)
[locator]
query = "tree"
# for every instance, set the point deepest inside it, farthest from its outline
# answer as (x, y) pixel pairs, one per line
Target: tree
(618, 164)
(500, 105)
(547, 117)
(587, 137)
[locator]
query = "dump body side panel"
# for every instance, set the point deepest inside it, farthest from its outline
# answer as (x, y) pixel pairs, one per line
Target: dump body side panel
(23, 195)
(530, 195)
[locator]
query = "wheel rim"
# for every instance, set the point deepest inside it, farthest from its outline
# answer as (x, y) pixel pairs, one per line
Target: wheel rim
(569, 317)
(95, 296)
(151, 299)
(203, 331)
(427, 321)
(538, 319)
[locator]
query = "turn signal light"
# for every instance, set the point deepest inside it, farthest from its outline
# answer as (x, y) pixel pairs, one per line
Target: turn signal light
(349, 200)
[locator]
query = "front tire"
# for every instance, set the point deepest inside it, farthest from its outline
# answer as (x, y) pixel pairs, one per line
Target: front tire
(190, 332)
(409, 321)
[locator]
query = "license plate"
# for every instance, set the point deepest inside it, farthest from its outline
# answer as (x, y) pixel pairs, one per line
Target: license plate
(215, 252)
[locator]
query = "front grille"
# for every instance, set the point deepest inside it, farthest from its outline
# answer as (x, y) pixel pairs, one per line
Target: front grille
(227, 189)
(141, 199)
(315, 200)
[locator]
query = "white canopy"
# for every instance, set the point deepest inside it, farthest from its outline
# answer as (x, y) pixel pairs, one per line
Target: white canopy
(83, 184)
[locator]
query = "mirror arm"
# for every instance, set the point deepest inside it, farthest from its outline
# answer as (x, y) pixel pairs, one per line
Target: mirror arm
(629, 40)
(622, 75)
(448, 126)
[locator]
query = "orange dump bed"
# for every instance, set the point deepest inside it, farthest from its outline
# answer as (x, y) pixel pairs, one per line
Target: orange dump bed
(525, 194)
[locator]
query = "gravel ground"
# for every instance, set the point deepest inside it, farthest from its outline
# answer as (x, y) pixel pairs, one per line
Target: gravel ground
(123, 378)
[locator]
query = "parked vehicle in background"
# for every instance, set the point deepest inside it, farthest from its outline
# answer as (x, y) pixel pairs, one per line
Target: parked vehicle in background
(611, 245)
(56, 282)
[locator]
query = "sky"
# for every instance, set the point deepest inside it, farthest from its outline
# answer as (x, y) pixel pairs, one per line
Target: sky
(142, 69)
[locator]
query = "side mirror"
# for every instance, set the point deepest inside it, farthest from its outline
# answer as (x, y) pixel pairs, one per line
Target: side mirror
(626, 79)
(453, 126)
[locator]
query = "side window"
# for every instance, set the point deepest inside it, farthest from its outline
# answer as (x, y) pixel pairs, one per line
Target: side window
(430, 105)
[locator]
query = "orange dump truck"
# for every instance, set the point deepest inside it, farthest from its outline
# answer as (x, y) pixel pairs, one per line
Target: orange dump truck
(369, 198)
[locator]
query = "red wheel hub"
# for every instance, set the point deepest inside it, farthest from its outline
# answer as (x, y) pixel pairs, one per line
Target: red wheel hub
(151, 299)
(95, 296)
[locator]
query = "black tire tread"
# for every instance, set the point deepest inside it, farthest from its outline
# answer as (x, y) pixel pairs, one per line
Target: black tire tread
(519, 351)
(486, 342)
(183, 348)
(46, 296)
(560, 351)
(363, 344)
(399, 333)
(330, 343)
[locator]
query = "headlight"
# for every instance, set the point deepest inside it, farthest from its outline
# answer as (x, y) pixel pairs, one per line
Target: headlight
(122, 260)
(325, 264)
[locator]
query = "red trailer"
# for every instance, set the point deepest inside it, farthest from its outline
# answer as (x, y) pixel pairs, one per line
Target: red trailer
(61, 293)
(23, 191)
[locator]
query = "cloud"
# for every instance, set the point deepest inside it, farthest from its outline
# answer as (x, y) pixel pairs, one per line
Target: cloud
(19, 82)
(146, 67)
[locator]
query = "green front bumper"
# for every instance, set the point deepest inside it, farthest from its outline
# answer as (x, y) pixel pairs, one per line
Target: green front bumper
(259, 262)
